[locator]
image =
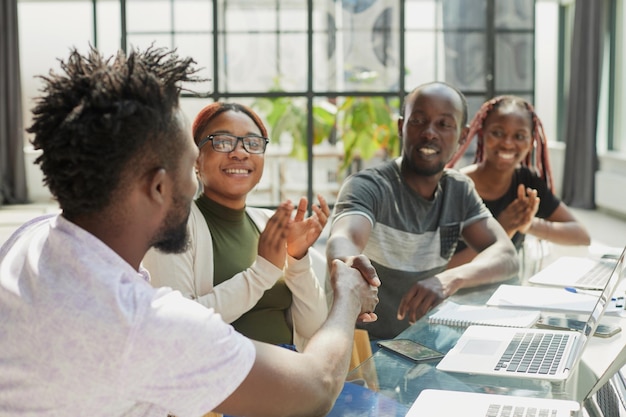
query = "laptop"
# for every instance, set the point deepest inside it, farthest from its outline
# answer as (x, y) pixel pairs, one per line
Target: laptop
(444, 403)
(578, 272)
(543, 354)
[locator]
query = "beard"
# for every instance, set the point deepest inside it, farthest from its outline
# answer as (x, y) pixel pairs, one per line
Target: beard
(428, 171)
(173, 236)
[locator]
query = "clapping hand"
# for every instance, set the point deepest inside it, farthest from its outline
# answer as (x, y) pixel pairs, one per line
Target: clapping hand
(518, 216)
(273, 240)
(303, 232)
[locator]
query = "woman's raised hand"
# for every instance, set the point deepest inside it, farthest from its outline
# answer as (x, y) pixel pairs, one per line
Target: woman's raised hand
(303, 232)
(273, 240)
(518, 215)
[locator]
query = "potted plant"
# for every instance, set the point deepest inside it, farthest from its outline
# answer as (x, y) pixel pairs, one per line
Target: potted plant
(288, 115)
(364, 126)
(367, 128)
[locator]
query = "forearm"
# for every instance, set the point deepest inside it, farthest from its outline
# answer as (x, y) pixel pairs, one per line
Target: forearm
(341, 247)
(309, 307)
(335, 339)
(235, 296)
(332, 345)
(496, 263)
(562, 233)
(348, 237)
(300, 384)
(462, 257)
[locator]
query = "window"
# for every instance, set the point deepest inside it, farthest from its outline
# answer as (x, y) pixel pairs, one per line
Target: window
(326, 64)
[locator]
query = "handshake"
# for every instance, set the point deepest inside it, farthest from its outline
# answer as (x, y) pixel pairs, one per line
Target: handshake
(356, 279)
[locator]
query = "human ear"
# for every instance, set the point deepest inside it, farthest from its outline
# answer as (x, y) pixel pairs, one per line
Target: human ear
(463, 136)
(400, 125)
(158, 186)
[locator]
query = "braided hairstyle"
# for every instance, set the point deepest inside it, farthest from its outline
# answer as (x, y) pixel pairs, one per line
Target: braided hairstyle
(103, 121)
(537, 158)
(211, 111)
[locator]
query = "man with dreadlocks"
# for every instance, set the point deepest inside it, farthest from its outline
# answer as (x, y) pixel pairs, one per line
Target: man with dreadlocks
(408, 214)
(511, 172)
(83, 333)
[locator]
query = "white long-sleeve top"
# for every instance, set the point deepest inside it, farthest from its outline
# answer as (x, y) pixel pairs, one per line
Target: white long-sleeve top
(191, 273)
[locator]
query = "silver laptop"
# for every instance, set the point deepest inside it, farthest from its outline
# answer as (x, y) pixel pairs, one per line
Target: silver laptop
(528, 353)
(443, 403)
(579, 272)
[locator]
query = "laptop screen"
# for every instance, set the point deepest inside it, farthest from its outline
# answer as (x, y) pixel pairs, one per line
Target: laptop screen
(616, 278)
(605, 297)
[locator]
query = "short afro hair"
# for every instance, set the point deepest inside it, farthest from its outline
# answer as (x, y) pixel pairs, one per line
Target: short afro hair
(464, 111)
(103, 119)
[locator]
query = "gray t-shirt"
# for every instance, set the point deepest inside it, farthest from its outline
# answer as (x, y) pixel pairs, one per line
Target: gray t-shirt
(82, 333)
(412, 238)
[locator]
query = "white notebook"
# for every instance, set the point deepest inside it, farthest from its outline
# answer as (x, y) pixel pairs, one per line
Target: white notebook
(453, 314)
(545, 299)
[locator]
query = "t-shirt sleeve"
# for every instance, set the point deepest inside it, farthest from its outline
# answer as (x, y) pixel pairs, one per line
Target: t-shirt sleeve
(475, 207)
(358, 195)
(183, 357)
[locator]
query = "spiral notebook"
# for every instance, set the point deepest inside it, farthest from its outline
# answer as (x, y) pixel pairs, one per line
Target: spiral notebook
(453, 314)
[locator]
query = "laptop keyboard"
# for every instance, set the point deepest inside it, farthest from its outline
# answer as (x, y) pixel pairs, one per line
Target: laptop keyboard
(533, 353)
(596, 276)
(498, 410)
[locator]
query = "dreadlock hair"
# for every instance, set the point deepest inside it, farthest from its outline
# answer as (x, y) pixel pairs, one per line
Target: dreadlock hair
(211, 111)
(102, 120)
(536, 159)
(409, 97)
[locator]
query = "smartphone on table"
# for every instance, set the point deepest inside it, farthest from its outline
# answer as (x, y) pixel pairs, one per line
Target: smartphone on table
(563, 323)
(410, 350)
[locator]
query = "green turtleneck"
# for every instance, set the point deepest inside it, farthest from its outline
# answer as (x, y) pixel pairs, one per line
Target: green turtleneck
(235, 247)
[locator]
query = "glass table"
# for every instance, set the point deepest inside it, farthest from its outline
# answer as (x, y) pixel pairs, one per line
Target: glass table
(386, 384)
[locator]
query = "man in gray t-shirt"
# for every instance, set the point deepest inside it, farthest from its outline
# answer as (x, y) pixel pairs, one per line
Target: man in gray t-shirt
(407, 215)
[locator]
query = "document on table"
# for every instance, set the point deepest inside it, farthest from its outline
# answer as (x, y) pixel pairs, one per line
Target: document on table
(544, 298)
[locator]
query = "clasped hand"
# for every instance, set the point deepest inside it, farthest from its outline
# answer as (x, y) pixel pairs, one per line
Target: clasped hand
(358, 276)
(518, 216)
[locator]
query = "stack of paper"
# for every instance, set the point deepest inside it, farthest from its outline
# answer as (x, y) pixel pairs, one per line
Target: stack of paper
(543, 298)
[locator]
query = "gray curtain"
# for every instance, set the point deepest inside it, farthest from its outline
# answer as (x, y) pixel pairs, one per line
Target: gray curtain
(12, 172)
(581, 160)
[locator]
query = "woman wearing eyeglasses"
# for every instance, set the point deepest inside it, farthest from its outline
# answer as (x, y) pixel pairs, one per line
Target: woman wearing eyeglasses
(251, 265)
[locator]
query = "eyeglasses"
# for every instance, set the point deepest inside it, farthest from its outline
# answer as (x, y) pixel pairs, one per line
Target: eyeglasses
(226, 143)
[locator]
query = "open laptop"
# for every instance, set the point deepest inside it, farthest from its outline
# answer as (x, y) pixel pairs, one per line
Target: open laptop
(579, 272)
(505, 351)
(444, 403)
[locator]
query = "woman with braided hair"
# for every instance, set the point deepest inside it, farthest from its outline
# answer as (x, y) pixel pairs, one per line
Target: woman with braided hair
(511, 171)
